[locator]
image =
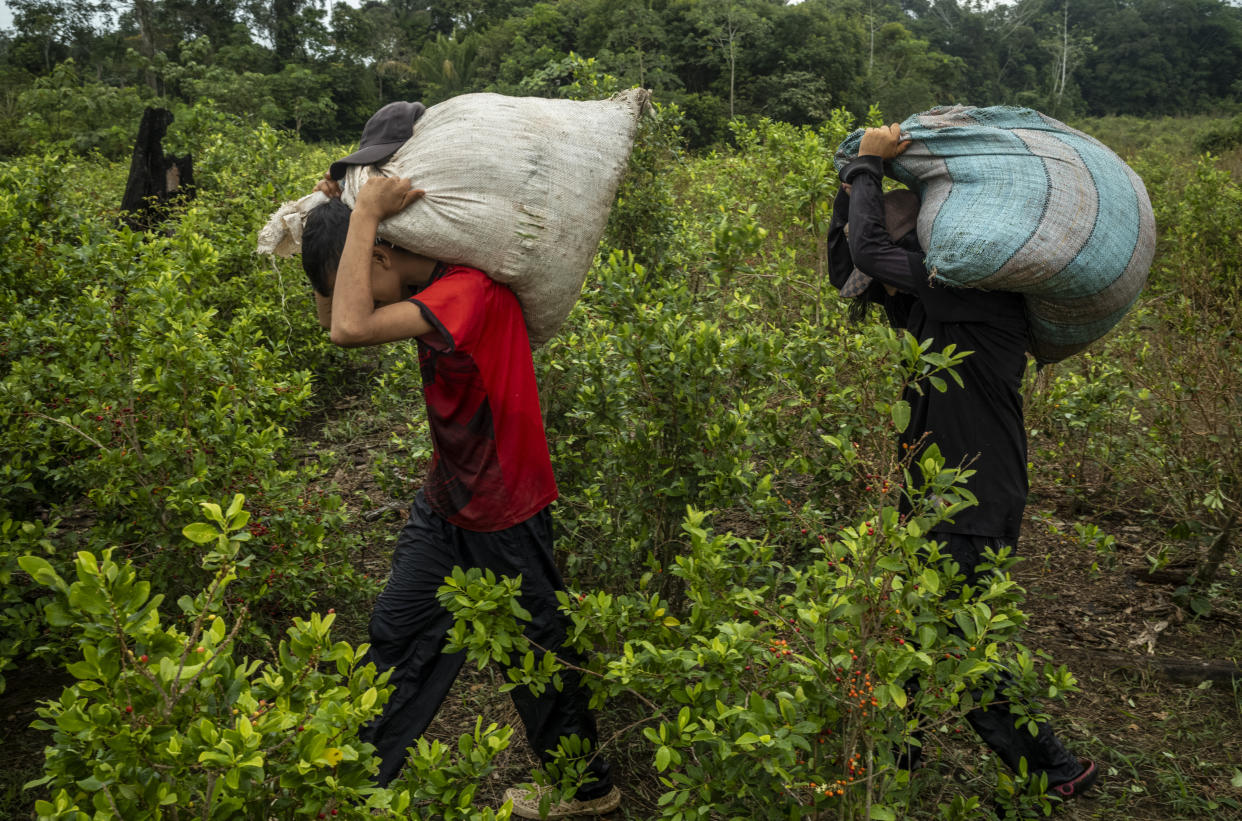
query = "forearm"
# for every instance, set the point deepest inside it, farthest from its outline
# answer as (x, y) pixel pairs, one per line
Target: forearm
(871, 248)
(352, 301)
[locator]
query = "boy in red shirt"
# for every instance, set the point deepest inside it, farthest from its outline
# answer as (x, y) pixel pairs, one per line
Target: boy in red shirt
(485, 501)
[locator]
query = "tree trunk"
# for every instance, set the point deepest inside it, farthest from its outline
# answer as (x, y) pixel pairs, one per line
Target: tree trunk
(285, 36)
(144, 13)
(154, 179)
(1064, 53)
(732, 69)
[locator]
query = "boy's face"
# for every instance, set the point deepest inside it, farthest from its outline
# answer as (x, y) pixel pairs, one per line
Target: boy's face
(396, 275)
(387, 284)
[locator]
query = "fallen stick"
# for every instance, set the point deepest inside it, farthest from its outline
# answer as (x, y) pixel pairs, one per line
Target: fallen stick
(1168, 668)
(1168, 576)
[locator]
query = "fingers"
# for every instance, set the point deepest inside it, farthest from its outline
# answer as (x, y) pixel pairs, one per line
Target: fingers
(328, 186)
(387, 195)
(900, 145)
(884, 142)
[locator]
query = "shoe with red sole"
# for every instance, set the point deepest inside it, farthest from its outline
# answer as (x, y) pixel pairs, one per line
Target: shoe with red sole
(1077, 785)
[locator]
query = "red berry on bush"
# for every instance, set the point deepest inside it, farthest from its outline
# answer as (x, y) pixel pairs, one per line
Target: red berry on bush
(143, 658)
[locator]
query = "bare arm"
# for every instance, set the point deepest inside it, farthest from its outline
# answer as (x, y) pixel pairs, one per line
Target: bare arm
(355, 318)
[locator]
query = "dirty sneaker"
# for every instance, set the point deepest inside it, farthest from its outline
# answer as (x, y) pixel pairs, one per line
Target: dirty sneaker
(526, 803)
(1077, 785)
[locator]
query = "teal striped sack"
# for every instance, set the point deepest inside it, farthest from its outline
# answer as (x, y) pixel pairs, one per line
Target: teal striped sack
(1017, 201)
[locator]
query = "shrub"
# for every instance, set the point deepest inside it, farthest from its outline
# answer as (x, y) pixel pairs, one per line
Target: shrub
(776, 690)
(165, 718)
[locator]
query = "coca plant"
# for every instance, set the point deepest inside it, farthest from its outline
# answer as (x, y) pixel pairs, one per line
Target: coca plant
(165, 721)
(785, 691)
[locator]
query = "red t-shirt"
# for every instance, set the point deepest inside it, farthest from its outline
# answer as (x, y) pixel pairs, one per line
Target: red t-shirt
(490, 467)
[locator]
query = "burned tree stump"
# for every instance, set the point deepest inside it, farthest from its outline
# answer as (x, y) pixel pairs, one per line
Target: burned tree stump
(154, 179)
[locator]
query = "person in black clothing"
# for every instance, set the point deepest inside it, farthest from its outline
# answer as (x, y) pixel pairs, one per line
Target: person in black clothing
(879, 261)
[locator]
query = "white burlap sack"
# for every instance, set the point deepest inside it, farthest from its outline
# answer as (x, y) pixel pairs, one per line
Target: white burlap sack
(282, 235)
(518, 187)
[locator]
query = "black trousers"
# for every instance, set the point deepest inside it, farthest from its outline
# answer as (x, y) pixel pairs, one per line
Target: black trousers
(996, 726)
(408, 628)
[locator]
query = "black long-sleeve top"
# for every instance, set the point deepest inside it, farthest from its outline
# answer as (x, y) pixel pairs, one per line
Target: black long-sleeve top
(980, 423)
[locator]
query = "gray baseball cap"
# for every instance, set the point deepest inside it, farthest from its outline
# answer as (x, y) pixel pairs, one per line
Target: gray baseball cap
(384, 133)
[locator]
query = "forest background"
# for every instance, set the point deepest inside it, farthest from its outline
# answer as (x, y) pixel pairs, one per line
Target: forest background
(722, 436)
(321, 74)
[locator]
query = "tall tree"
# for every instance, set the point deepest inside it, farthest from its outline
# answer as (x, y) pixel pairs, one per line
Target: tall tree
(187, 19)
(445, 66)
(294, 28)
(809, 65)
(638, 31)
(56, 29)
(908, 75)
(728, 25)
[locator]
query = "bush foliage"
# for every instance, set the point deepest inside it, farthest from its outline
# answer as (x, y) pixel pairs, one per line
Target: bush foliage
(721, 434)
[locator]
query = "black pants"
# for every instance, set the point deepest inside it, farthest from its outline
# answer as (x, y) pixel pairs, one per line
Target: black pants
(408, 628)
(996, 726)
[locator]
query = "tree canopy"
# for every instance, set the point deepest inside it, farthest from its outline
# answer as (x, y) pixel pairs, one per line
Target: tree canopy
(322, 70)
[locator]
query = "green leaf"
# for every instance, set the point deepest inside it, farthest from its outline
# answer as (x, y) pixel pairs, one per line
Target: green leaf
(213, 512)
(41, 571)
(901, 415)
(199, 532)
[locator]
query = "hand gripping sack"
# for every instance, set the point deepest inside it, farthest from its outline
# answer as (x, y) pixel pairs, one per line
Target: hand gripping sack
(1016, 201)
(518, 187)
